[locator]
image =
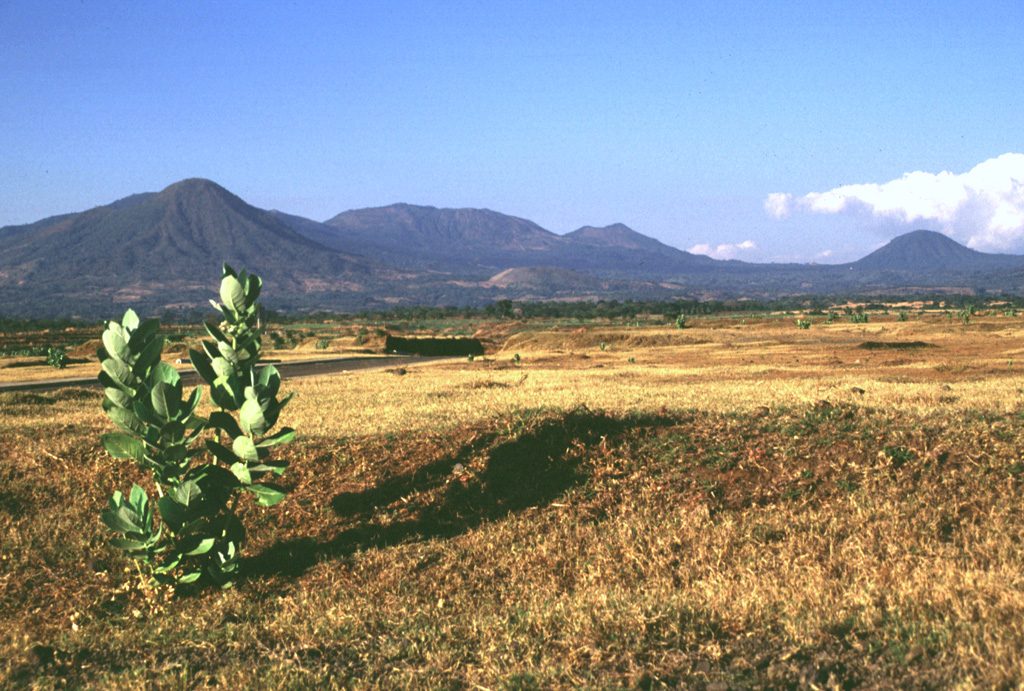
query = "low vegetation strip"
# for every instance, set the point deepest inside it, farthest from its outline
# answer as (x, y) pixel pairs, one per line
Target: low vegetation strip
(433, 346)
(894, 345)
(829, 544)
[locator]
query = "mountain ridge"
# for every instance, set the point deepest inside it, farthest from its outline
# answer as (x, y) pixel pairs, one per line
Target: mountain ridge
(927, 250)
(164, 249)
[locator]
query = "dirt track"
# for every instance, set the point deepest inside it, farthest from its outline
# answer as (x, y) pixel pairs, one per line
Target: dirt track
(289, 370)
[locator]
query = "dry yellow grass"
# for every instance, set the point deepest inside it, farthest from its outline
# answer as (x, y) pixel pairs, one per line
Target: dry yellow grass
(717, 365)
(750, 505)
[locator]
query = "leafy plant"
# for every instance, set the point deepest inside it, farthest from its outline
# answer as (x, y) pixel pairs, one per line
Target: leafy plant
(803, 323)
(27, 351)
(603, 345)
(56, 357)
(681, 321)
(901, 316)
(516, 359)
(859, 318)
(198, 534)
(323, 344)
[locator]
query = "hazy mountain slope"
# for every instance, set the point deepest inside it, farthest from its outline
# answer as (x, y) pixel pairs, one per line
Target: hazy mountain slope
(430, 230)
(618, 250)
(480, 240)
(926, 250)
(172, 241)
(8, 232)
(164, 250)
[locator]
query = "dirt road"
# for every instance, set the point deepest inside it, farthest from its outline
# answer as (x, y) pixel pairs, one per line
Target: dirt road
(289, 370)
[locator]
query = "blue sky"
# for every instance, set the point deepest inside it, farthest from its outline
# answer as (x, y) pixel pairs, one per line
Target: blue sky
(807, 131)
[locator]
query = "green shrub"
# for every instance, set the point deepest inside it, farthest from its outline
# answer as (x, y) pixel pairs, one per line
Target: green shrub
(803, 324)
(198, 534)
(681, 321)
(859, 318)
(323, 344)
(56, 357)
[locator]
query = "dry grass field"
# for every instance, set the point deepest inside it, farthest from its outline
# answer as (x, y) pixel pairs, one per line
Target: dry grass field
(737, 504)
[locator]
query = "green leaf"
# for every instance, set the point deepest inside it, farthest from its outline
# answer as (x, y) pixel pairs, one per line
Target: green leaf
(225, 393)
(253, 421)
(204, 546)
(269, 381)
(127, 422)
(285, 401)
(124, 520)
(215, 332)
(222, 367)
(225, 421)
(210, 348)
(130, 320)
(285, 435)
(202, 364)
(185, 493)
(172, 513)
(109, 382)
(241, 471)
(275, 467)
(190, 577)
(167, 374)
(223, 453)
(118, 397)
(143, 334)
(166, 400)
(123, 446)
(232, 294)
(253, 286)
(227, 352)
(266, 495)
(148, 358)
(193, 401)
(139, 500)
(116, 346)
(120, 373)
(244, 448)
(129, 545)
(169, 565)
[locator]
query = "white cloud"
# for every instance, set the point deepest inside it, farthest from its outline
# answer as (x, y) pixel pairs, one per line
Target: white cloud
(983, 207)
(723, 251)
(778, 204)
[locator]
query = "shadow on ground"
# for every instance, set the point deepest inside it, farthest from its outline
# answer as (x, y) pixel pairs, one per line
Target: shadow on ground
(527, 468)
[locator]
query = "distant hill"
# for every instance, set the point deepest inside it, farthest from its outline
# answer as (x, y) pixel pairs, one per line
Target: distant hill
(479, 241)
(149, 247)
(927, 251)
(422, 237)
(615, 235)
(546, 279)
(163, 250)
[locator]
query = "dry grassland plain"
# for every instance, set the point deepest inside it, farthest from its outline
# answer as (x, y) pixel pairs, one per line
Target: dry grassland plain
(737, 504)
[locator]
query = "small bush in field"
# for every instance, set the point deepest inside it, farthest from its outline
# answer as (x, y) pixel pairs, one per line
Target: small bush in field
(56, 357)
(191, 531)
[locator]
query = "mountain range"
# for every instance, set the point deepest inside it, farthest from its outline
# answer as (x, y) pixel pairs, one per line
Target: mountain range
(163, 251)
